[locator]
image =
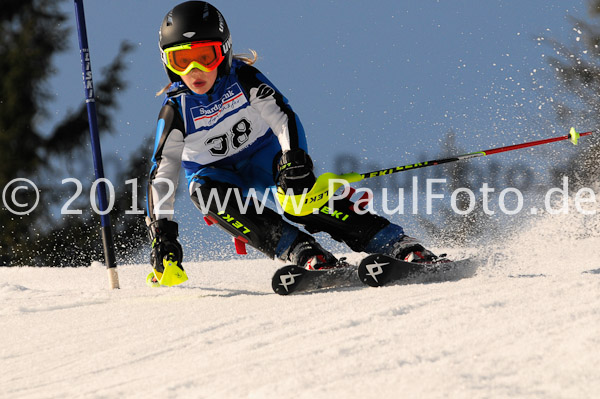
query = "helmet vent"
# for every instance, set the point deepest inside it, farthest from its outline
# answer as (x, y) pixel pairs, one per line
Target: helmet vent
(189, 35)
(170, 18)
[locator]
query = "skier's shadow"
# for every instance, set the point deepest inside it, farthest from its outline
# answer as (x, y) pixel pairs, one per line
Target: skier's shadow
(225, 292)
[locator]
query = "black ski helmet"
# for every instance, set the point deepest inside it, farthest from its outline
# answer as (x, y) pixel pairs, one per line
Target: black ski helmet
(193, 21)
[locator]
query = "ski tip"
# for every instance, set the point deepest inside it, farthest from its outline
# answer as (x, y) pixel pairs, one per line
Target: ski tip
(286, 280)
(573, 136)
(373, 270)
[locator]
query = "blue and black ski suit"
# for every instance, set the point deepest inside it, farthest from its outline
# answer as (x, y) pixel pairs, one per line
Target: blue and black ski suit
(231, 138)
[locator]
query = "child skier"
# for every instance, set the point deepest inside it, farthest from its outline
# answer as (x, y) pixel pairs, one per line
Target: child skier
(232, 130)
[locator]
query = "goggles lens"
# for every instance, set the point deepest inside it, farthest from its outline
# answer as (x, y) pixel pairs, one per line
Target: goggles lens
(181, 59)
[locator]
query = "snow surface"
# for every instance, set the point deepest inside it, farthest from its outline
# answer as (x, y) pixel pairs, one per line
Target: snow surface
(527, 325)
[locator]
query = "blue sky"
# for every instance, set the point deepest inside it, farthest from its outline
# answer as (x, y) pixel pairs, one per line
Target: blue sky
(383, 81)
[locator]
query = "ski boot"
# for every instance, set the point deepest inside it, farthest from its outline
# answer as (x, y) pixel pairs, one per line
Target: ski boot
(309, 254)
(409, 249)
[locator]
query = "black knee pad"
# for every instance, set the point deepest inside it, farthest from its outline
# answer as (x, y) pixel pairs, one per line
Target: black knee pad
(259, 230)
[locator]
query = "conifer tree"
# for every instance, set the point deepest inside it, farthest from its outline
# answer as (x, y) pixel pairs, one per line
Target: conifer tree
(32, 32)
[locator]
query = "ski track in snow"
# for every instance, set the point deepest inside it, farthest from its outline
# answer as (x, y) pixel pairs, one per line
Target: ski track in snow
(527, 325)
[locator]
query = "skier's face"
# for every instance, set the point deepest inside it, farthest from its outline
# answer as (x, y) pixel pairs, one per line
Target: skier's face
(198, 81)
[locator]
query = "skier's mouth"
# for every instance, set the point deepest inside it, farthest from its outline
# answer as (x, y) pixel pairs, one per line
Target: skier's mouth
(199, 83)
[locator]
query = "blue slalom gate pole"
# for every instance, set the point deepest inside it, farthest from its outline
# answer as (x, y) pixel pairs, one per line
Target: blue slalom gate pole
(88, 87)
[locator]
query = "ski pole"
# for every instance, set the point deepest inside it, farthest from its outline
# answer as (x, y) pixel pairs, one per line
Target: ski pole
(305, 204)
(573, 136)
(88, 87)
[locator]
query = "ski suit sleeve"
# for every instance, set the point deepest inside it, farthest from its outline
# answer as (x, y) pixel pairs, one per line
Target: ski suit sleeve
(164, 175)
(273, 108)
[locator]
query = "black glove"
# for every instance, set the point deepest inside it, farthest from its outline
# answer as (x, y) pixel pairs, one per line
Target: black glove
(295, 171)
(163, 234)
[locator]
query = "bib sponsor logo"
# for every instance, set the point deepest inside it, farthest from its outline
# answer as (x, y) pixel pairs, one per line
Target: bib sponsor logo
(208, 115)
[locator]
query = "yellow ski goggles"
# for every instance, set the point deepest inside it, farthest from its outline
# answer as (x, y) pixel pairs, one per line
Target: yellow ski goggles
(181, 59)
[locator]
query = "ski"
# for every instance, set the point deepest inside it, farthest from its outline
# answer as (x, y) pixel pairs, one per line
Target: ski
(292, 279)
(378, 270)
(374, 270)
